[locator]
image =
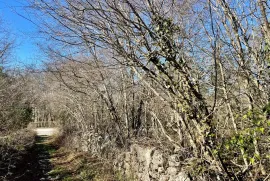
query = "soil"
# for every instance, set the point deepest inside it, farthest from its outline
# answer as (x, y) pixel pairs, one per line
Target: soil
(36, 164)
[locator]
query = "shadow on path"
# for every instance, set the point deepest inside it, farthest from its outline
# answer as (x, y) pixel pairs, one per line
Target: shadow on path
(36, 164)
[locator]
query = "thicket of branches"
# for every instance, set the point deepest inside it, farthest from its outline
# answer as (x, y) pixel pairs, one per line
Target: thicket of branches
(15, 111)
(193, 74)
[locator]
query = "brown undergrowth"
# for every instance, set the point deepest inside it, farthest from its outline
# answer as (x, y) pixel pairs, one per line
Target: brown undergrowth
(14, 149)
(71, 165)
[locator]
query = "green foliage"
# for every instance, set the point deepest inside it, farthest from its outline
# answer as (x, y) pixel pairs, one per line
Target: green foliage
(266, 108)
(17, 117)
(163, 26)
(242, 145)
(164, 30)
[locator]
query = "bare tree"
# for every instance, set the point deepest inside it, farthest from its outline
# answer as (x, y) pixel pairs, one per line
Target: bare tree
(206, 61)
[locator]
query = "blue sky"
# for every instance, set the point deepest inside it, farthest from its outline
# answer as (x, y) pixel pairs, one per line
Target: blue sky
(22, 30)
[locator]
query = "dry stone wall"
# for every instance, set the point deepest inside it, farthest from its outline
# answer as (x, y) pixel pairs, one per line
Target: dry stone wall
(140, 163)
(149, 164)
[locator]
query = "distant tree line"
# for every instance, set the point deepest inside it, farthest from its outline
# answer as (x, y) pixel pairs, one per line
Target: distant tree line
(15, 109)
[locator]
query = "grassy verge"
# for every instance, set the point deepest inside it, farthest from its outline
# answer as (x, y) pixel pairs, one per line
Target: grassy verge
(13, 150)
(68, 165)
(27, 157)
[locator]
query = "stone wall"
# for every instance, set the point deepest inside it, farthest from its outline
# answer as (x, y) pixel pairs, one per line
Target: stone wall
(140, 163)
(144, 163)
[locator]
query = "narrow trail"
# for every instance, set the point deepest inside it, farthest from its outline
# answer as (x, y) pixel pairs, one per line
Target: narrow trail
(37, 163)
(48, 161)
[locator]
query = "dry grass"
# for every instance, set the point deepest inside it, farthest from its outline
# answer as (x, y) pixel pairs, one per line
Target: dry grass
(78, 166)
(13, 148)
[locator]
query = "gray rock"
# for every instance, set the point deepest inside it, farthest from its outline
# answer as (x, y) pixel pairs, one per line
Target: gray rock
(171, 171)
(174, 161)
(181, 176)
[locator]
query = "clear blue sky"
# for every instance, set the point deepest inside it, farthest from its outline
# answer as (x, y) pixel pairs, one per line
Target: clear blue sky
(23, 31)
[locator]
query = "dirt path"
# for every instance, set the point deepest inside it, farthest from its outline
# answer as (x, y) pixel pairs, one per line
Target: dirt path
(46, 162)
(46, 131)
(36, 164)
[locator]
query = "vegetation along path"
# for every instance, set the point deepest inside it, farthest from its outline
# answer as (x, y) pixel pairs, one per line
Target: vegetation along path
(48, 161)
(36, 165)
